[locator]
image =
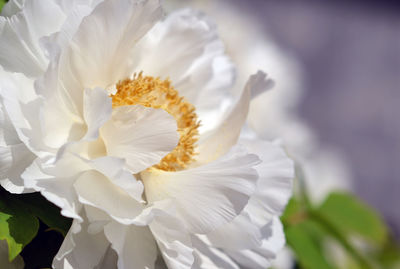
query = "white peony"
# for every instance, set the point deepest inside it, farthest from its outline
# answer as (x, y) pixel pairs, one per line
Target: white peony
(127, 123)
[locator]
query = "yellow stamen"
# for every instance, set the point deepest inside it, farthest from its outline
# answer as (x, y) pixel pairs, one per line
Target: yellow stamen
(156, 93)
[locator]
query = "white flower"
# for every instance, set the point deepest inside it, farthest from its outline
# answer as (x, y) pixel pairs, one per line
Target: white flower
(101, 104)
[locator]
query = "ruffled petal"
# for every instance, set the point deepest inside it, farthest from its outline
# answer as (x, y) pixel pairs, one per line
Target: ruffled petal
(174, 243)
(254, 237)
(57, 188)
(274, 187)
(208, 257)
(20, 33)
(14, 160)
(80, 65)
(219, 141)
(261, 257)
(187, 41)
(12, 7)
(122, 24)
(142, 136)
(97, 111)
(82, 249)
(208, 196)
(135, 245)
(241, 233)
(94, 189)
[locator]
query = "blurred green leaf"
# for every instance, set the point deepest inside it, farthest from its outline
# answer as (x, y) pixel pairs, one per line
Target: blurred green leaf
(17, 225)
(2, 3)
(352, 216)
(293, 208)
(305, 240)
(46, 212)
(389, 255)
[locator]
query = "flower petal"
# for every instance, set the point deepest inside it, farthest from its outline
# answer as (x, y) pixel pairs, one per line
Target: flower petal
(56, 184)
(189, 42)
(14, 160)
(174, 243)
(207, 257)
(219, 141)
(82, 249)
(254, 237)
(208, 196)
(135, 245)
(122, 24)
(241, 233)
(142, 136)
(96, 190)
(20, 50)
(274, 187)
(261, 257)
(12, 7)
(97, 111)
(113, 168)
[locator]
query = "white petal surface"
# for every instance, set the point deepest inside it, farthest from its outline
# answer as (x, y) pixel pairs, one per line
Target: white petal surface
(135, 245)
(16, 90)
(142, 136)
(12, 7)
(207, 196)
(56, 183)
(92, 59)
(81, 249)
(14, 160)
(173, 241)
(101, 58)
(241, 233)
(96, 190)
(219, 141)
(20, 50)
(254, 237)
(97, 111)
(192, 57)
(179, 41)
(208, 257)
(8, 134)
(261, 257)
(274, 187)
(113, 168)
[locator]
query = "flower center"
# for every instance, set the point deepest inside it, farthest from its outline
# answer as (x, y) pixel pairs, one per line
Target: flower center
(156, 93)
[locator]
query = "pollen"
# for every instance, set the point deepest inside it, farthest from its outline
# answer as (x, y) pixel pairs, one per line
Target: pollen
(156, 93)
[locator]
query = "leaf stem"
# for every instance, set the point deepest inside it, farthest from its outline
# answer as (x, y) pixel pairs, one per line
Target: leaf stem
(364, 263)
(311, 213)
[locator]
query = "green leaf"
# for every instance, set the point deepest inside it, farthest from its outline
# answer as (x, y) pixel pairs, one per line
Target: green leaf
(292, 208)
(2, 3)
(351, 216)
(46, 212)
(17, 225)
(305, 240)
